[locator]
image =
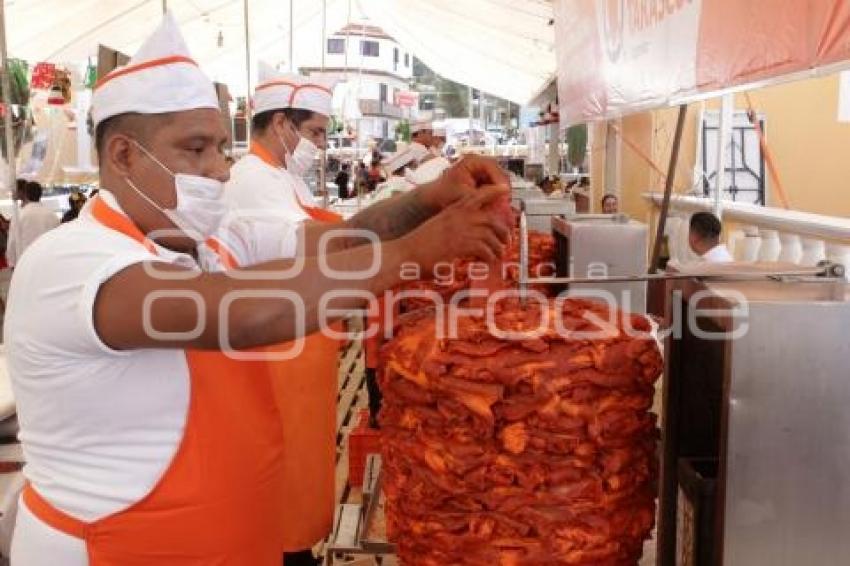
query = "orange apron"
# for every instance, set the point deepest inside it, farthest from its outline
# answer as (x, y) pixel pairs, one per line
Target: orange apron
(305, 392)
(218, 502)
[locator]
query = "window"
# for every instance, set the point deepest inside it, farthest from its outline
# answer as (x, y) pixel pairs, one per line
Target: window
(395, 58)
(336, 45)
(407, 59)
(745, 173)
(370, 48)
(383, 95)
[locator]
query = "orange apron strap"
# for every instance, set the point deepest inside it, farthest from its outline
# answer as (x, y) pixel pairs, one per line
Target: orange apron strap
(52, 516)
(120, 223)
(228, 260)
(319, 214)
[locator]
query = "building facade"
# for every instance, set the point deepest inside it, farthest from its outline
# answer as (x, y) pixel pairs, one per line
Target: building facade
(377, 69)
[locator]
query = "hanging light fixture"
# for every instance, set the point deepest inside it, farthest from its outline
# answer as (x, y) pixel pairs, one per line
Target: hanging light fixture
(220, 40)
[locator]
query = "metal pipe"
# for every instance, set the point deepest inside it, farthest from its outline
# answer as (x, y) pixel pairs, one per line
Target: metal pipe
(246, 18)
(291, 34)
(469, 139)
(360, 79)
(164, 7)
(523, 254)
(11, 157)
(668, 189)
(831, 272)
(323, 160)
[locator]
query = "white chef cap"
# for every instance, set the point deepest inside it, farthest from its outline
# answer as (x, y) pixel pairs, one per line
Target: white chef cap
(420, 125)
(161, 77)
(277, 91)
(314, 94)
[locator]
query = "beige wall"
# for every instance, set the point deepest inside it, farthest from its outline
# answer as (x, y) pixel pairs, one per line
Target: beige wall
(810, 147)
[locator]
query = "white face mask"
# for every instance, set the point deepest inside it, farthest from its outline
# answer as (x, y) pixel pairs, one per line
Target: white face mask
(200, 208)
(300, 160)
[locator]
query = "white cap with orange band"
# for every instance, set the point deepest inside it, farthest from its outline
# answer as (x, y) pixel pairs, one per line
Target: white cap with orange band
(161, 77)
(277, 91)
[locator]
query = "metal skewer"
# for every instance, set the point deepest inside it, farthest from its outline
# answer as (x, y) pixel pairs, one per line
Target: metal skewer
(523, 254)
(824, 270)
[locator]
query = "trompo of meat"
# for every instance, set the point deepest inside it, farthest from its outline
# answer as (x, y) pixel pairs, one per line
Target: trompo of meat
(538, 451)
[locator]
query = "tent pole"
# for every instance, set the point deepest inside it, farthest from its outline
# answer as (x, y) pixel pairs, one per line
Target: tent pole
(323, 161)
(7, 128)
(247, 73)
(291, 32)
(668, 189)
(469, 91)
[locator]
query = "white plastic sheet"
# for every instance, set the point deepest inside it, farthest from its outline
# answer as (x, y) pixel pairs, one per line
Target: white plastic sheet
(503, 47)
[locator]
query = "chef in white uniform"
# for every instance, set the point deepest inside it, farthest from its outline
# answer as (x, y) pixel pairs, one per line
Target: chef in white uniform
(288, 129)
(432, 165)
(397, 172)
(421, 139)
(145, 440)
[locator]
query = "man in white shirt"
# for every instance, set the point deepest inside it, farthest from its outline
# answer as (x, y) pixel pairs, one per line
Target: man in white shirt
(704, 238)
(147, 439)
(421, 139)
(288, 129)
(432, 165)
(34, 219)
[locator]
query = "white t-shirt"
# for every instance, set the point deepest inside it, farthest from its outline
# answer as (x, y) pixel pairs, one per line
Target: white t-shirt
(255, 187)
(34, 220)
(717, 254)
(428, 170)
(305, 195)
(99, 427)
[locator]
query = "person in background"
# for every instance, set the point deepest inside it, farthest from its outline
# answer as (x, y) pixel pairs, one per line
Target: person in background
(341, 181)
(35, 219)
(288, 130)
(4, 240)
(76, 201)
(21, 191)
(375, 176)
(361, 179)
(610, 204)
(421, 139)
(432, 165)
(704, 238)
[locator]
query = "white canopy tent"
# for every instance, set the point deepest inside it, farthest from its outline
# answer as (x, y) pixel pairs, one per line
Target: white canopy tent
(503, 47)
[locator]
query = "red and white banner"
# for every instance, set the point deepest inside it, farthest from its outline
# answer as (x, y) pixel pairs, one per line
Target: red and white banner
(406, 98)
(622, 56)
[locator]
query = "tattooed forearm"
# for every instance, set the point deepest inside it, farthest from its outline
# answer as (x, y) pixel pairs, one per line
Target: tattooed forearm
(395, 217)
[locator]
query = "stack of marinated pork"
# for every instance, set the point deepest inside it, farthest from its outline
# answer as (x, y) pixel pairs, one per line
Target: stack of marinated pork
(527, 441)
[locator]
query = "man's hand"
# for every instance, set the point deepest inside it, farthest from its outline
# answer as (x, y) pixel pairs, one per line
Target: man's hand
(468, 227)
(462, 179)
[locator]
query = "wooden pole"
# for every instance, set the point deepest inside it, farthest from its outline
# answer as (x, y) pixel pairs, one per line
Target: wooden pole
(668, 189)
